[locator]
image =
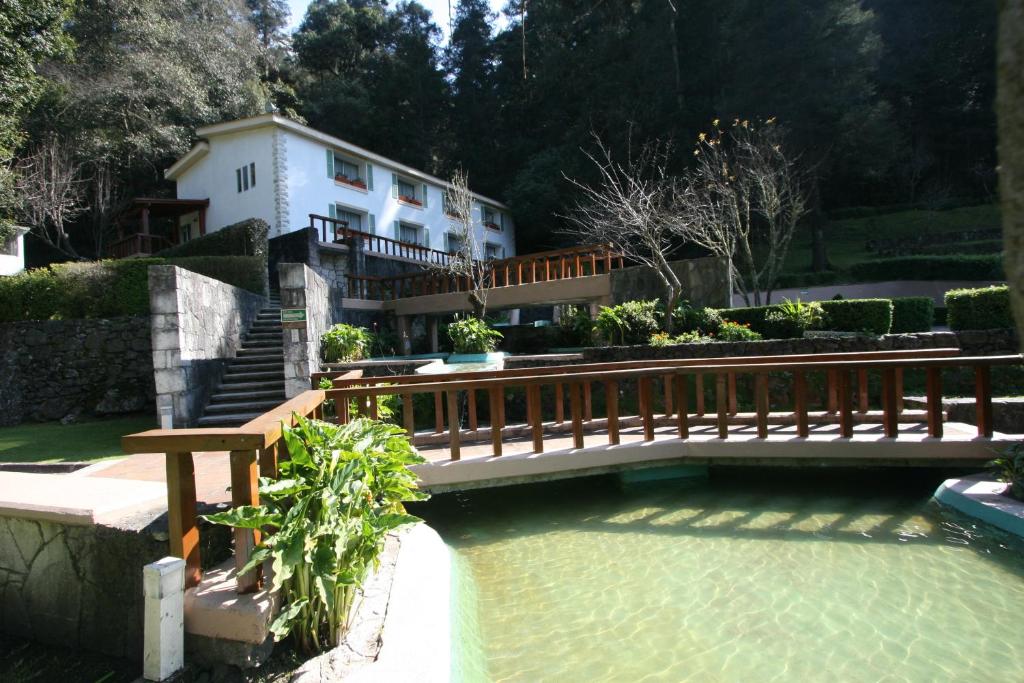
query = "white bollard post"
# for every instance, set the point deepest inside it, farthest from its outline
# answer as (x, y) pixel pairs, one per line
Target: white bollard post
(164, 636)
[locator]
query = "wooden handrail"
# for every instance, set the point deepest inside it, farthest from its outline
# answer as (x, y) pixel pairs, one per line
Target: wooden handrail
(379, 243)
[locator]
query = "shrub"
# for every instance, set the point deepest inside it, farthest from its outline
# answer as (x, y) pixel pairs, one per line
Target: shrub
(659, 339)
(577, 329)
(912, 314)
(345, 343)
(631, 322)
(873, 316)
(808, 279)
(339, 493)
(754, 317)
(245, 272)
(1009, 468)
(986, 308)
(703, 320)
(472, 335)
(732, 331)
(960, 267)
(790, 319)
(245, 238)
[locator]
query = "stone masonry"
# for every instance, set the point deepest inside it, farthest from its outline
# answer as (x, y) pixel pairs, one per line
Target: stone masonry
(55, 368)
(302, 288)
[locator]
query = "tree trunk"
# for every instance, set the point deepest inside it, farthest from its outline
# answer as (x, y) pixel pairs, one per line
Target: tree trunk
(1010, 110)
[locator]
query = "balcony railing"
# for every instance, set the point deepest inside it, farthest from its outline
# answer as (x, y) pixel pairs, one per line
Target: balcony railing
(139, 244)
(335, 230)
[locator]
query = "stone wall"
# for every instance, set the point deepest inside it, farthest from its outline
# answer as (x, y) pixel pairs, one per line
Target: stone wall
(705, 282)
(197, 324)
(55, 368)
(302, 288)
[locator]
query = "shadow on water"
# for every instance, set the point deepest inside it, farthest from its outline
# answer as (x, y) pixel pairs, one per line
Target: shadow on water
(857, 506)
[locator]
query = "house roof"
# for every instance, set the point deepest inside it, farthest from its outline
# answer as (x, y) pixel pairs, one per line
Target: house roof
(202, 148)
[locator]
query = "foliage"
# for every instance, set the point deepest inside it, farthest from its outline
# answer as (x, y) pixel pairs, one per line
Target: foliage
(959, 267)
(986, 308)
(245, 238)
(1009, 467)
(791, 319)
(912, 314)
(704, 320)
(733, 332)
(339, 494)
(660, 339)
(345, 343)
(576, 325)
(873, 316)
(755, 317)
(106, 289)
(472, 335)
(631, 322)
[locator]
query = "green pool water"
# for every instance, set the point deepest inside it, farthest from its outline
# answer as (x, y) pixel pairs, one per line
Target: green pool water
(748, 577)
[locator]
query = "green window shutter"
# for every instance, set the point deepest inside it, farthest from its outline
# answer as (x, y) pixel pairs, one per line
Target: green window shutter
(424, 195)
(332, 210)
(330, 164)
(501, 221)
(394, 185)
(426, 235)
(398, 231)
(372, 222)
(369, 177)
(446, 243)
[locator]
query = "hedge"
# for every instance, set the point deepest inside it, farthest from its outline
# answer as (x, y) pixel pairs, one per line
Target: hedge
(754, 316)
(245, 238)
(912, 314)
(858, 315)
(106, 289)
(986, 308)
(976, 267)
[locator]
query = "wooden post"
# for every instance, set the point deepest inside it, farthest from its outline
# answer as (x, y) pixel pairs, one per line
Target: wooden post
(495, 400)
(800, 403)
(453, 424)
(761, 403)
(899, 390)
(341, 408)
(832, 389)
(862, 390)
(244, 491)
(373, 407)
(644, 385)
(732, 394)
(890, 415)
(934, 405)
(183, 530)
(698, 382)
(588, 408)
(268, 461)
(407, 415)
(559, 403)
(722, 404)
(536, 419)
(983, 399)
(438, 413)
(668, 387)
(471, 400)
(845, 404)
(679, 383)
(576, 409)
(611, 402)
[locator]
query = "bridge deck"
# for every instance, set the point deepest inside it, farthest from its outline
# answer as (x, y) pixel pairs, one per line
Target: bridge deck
(959, 447)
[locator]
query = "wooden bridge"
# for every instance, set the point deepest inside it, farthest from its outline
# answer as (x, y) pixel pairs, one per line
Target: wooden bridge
(508, 426)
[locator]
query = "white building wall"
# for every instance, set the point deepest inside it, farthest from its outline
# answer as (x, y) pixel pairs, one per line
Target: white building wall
(12, 254)
(213, 176)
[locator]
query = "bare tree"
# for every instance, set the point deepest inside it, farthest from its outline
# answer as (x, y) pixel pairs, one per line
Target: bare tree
(634, 209)
(466, 259)
(107, 199)
(49, 192)
(743, 201)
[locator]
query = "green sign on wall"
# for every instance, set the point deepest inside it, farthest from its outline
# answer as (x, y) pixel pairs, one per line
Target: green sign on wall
(293, 315)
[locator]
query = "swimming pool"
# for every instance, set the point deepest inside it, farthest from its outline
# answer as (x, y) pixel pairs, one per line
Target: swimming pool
(751, 576)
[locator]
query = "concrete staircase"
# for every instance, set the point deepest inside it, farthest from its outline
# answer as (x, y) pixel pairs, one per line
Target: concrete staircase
(254, 380)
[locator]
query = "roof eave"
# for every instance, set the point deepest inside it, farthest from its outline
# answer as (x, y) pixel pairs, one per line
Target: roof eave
(198, 151)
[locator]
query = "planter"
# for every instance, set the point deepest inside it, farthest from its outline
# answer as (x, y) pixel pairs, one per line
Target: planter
(409, 200)
(354, 183)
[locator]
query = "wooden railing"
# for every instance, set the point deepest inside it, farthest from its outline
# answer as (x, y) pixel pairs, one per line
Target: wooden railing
(139, 244)
(254, 450)
(335, 230)
(839, 399)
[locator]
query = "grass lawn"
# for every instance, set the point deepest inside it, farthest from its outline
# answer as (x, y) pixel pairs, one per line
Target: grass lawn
(846, 238)
(79, 442)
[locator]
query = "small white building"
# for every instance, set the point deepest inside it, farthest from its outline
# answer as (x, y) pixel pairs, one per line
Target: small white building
(12, 253)
(273, 168)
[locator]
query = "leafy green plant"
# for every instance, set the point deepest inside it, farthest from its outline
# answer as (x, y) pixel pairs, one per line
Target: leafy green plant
(631, 322)
(1009, 468)
(791, 319)
(472, 335)
(344, 343)
(873, 316)
(985, 308)
(576, 325)
(912, 314)
(338, 495)
(665, 339)
(703, 320)
(733, 331)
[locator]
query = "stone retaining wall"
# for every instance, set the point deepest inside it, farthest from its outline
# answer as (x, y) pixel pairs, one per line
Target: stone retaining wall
(55, 368)
(301, 287)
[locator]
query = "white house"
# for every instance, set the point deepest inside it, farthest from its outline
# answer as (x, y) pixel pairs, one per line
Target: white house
(12, 253)
(273, 168)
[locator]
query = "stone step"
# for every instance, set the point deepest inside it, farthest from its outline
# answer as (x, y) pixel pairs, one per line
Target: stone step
(277, 395)
(228, 420)
(260, 350)
(244, 375)
(229, 387)
(254, 343)
(259, 335)
(241, 407)
(257, 360)
(235, 368)
(271, 325)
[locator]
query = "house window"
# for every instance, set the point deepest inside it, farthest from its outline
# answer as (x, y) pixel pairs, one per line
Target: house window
(406, 190)
(409, 233)
(454, 243)
(10, 247)
(354, 220)
(493, 251)
(245, 177)
(491, 218)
